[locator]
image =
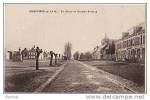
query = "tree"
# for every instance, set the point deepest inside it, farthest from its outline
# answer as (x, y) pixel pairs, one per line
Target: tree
(55, 57)
(67, 50)
(24, 53)
(88, 56)
(81, 56)
(113, 48)
(38, 51)
(76, 55)
(51, 58)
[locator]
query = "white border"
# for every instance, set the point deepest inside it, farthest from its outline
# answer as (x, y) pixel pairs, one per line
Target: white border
(64, 96)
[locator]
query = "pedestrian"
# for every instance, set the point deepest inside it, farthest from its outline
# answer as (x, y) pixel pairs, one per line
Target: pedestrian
(38, 51)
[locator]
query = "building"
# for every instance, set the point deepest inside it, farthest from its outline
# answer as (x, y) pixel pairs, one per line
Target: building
(26, 54)
(6, 54)
(29, 54)
(96, 53)
(15, 55)
(45, 55)
(19, 55)
(32, 53)
(108, 48)
(131, 47)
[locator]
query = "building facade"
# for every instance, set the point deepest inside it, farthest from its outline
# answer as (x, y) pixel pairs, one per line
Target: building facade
(131, 47)
(29, 54)
(32, 53)
(22, 55)
(14, 55)
(96, 54)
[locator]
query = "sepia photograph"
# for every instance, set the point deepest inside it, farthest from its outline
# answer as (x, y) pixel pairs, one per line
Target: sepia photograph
(75, 48)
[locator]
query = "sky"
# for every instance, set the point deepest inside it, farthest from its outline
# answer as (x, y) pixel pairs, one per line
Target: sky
(50, 30)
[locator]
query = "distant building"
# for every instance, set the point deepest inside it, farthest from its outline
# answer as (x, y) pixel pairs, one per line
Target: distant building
(29, 54)
(96, 53)
(45, 55)
(107, 49)
(9, 54)
(32, 53)
(15, 55)
(7, 57)
(6, 54)
(41, 57)
(131, 47)
(21, 55)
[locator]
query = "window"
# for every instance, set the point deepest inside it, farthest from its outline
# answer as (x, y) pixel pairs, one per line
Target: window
(144, 39)
(141, 39)
(131, 42)
(127, 43)
(138, 40)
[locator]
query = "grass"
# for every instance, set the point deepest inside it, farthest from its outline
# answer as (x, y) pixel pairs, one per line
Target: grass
(26, 82)
(22, 76)
(130, 71)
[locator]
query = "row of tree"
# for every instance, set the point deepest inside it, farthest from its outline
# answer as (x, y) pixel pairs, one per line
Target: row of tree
(67, 51)
(52, 55)
(67, 54)
(82, 56)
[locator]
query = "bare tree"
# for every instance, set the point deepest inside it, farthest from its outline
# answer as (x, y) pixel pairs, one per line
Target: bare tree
(67, 50)
(55, 57)
(88, 55)
(51, 58)
(76, 55)
(81, 56)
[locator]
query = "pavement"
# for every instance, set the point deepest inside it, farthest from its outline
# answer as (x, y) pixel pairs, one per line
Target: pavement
(78, 77)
